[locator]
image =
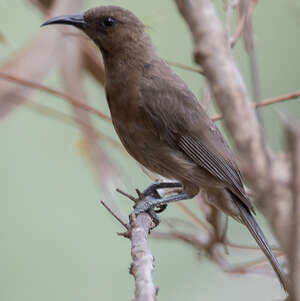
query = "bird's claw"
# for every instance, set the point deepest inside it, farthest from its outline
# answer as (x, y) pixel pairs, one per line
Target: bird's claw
(150, 199)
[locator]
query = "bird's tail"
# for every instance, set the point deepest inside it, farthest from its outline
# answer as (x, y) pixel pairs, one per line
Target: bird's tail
(249, 220)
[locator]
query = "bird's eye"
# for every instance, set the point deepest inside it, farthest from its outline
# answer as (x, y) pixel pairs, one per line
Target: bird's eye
(109, 21)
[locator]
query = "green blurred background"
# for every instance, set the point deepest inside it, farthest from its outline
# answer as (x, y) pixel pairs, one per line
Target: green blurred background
(57, 241)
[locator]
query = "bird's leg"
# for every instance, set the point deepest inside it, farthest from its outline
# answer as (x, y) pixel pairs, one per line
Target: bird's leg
(152, 189)
(150, 202)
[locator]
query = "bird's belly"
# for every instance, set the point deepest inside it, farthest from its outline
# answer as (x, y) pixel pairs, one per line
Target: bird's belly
(139, 142)
(159, 157)
(145, 147)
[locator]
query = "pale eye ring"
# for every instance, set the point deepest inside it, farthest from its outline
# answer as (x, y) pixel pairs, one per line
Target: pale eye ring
(109, 21)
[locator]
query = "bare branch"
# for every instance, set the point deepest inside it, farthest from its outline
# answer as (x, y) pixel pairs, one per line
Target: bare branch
(116, 216)
(230, 244)
(268, 102)
(185, 67)
(278, 99)
(238, 31)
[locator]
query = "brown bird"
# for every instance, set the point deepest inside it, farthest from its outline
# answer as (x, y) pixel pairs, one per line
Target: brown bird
(161, 123)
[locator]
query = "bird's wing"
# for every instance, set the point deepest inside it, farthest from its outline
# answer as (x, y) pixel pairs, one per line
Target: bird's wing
(223, 169)
(177, 117)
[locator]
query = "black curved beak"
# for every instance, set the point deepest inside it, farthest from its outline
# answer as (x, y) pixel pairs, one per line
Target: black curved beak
(75, 20)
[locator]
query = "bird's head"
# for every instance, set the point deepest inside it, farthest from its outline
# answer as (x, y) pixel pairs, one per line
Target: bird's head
(112, 28)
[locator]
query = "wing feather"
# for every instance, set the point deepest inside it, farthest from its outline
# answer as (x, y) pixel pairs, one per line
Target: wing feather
(223, 169)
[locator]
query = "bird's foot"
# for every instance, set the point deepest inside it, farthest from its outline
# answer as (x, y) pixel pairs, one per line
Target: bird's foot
(149, 203)
(152, 191)
(145, 204)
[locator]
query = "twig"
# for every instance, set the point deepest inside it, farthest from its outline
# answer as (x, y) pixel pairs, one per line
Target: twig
(268, 102)
(49, 90)
(294, 142)
(244, 268)
(230, 244)
(278, 99)
(241, 25)
(238, 31)
(116, 216)
(185, 67)
(132, 198)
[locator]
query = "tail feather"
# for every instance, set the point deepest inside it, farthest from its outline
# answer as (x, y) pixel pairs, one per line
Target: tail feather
(260, 238)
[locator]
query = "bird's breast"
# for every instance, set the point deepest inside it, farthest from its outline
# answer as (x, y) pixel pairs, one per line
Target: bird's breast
(136, 139)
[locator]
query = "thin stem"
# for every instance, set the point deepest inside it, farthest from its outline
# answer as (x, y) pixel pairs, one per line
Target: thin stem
(268, 102)
(118, 218)
(52, 91)
(185, 67)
